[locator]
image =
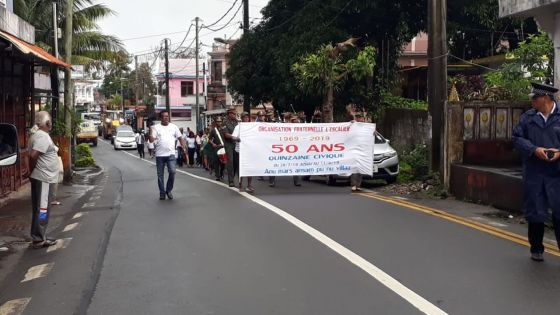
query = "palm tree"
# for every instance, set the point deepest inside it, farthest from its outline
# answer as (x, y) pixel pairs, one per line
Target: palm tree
(91, 47)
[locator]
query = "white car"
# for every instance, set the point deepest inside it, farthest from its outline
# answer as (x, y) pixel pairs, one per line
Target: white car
(385, 164)
(125, 139)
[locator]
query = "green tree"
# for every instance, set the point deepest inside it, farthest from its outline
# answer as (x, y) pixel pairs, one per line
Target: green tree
(325, 71)
(144, 84)
(532, 61)
(91, 47)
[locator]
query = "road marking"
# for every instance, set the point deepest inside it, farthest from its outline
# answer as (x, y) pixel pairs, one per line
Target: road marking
(89, 205)
(78, 215)
(70, 227)
(14, 307)
(516, 238)
(391, 283)
(94, 198)
(39, 271)
(4, 249)
(60, 244)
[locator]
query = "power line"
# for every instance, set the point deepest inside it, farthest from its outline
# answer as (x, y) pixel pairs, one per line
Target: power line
(339, 13)
(295, 15)
(184, 39)
(223, 16)
(228, 23)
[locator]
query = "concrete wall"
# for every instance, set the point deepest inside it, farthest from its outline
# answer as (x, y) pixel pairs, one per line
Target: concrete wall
(13, 24)
(406, 128)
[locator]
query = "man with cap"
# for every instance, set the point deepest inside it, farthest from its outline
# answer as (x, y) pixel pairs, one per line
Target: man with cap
(217, 140)
(537, 138)
(260, 117)
(229, 126)
(356, 178)
(270, 116)
(245, 117)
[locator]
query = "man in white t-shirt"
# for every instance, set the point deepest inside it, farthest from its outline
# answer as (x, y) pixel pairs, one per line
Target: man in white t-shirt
(236, 136)
(164, 135)
(43, 163)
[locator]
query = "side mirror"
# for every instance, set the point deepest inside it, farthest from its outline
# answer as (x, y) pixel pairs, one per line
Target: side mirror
(9, 145)
(388, 141)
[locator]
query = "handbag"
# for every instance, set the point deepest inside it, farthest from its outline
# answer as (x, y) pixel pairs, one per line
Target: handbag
(222, 155)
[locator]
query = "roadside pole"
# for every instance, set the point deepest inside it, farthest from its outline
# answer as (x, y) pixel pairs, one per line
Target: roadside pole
(197, 104)
(68, 88)
(246, 100)
(167, 98)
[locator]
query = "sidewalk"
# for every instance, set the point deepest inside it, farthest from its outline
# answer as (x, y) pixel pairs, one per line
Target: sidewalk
(15, 211)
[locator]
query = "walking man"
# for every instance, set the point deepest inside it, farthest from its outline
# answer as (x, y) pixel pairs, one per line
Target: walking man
(356, 178)
(43, 163)
(216, 139)
(229, 145)
(245, 117)
(536, 137)
(164, 135)
(140, 141)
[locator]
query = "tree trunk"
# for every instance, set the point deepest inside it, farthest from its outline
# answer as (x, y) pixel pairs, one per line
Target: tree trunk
(328, 105)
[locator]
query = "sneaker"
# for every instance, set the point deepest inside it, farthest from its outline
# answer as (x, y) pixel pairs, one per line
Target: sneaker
(170, 195)
(250, 190)
(537, 257)
(161, 196)
(231, 184)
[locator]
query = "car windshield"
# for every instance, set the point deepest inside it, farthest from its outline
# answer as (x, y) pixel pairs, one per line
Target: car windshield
(125, 134)
(379, 138)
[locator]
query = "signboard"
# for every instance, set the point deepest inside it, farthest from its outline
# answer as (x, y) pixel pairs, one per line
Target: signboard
(270, 149)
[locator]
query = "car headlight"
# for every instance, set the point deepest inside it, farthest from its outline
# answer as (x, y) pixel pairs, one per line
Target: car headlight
(121, 121)
(108, 120)
(390, 154)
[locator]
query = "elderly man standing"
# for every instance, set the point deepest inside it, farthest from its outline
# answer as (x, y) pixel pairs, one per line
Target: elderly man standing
(229, 145)
(537, 138)
(43, 163)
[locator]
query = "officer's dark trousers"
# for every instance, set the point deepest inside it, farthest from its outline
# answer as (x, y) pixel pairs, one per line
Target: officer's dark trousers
(232, 162)
(41, 197)
(536, 235)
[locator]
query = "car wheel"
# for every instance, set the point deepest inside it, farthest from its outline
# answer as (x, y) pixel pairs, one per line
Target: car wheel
(306, 178)
(391, 180)
(115, 148)
(330, 180)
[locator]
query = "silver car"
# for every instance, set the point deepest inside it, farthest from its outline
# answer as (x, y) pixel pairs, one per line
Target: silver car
(125, 139)
(385, 164)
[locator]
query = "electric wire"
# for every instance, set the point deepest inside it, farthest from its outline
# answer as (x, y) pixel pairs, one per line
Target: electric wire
(223, 16)
(228, 23)
(184, 39)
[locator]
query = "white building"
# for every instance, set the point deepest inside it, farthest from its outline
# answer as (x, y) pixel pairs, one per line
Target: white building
(547, 15)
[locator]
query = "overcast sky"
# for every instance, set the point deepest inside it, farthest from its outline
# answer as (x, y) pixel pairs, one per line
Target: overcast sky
(136, 21)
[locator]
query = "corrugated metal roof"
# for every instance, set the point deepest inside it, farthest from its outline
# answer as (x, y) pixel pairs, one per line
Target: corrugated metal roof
(34, 50)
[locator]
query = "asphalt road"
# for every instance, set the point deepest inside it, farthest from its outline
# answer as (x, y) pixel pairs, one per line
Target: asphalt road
(313, 249)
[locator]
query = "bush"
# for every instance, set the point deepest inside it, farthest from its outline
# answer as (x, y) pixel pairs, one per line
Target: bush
(84, 156)
(85, 162)
(414, 164)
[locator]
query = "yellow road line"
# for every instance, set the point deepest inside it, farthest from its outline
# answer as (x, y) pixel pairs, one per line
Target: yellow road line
(519, 239)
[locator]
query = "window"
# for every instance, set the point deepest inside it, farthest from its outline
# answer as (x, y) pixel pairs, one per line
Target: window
(217, 71)
(187, 88)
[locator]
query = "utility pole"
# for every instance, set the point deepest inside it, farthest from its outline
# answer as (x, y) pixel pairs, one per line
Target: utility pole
(136, 88)
(55, 83)
(122, 98)
(167, 98)
(55, 29)
(437, 79)
(68, 89)
(245, 16)
(197, 19)
(246, 101)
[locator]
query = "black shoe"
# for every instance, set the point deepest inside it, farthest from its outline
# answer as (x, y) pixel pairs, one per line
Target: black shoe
(231, 184)
(170, 195)
(47, 243)
(537, 257)
(161, 196)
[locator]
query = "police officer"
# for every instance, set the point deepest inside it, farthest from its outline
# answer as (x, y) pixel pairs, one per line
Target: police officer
(217, 140)
(229, 127)
(537, 138)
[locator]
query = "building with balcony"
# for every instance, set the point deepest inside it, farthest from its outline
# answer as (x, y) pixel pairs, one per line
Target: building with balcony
(218, 95)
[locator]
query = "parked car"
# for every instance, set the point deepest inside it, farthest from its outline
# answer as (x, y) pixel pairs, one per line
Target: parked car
(385, 164)
(125, 139)
(88, 133)
(9, 145)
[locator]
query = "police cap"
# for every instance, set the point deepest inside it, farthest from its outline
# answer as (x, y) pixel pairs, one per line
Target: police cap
(542, 90)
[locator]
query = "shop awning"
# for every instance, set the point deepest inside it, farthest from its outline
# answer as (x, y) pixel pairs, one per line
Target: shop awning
(36, 51)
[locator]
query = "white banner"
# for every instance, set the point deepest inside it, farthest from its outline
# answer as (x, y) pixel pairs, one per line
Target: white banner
(271, 149)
